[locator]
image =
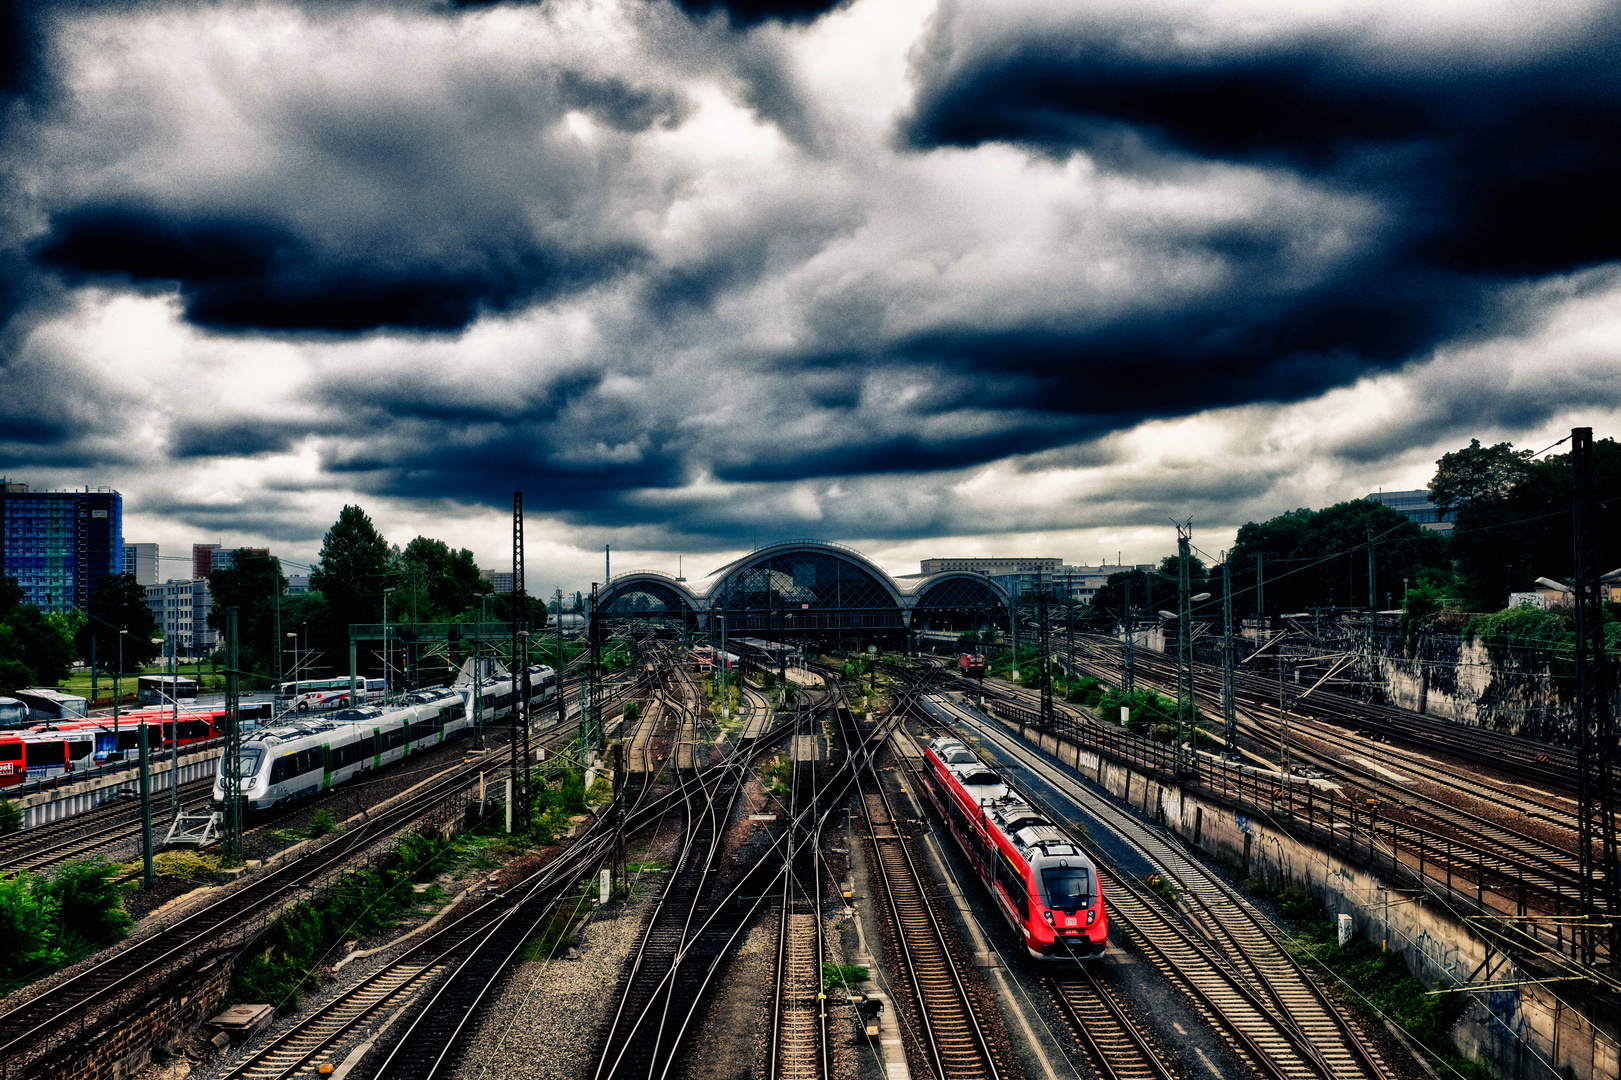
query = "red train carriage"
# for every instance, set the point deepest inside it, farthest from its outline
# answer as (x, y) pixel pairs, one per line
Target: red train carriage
(194, 728)
(972, 665)
(1044, 885)
(40, 756)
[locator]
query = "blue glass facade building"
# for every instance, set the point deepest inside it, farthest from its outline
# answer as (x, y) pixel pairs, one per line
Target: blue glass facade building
(59, 544)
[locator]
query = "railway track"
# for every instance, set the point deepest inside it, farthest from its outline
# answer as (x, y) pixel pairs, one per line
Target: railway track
(1486, 843)
(944, 1023)
(462, 949)
(32, 1029)
(83, 834)
(1118, 1047)
(1238, 971)
(800, 1049)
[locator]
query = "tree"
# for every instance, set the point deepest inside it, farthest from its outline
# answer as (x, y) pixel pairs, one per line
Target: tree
(1315, 558)
(1478, 475)
(1510, 534)
(354, 568)
(119, 602)
(252, 585)
(35, 649)
(1149, 592)
(439, 583)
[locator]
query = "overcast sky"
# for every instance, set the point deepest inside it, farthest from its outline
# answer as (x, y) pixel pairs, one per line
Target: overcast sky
(926, 277)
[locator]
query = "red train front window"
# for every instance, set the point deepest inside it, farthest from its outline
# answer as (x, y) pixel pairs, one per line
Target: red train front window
(1068, 888)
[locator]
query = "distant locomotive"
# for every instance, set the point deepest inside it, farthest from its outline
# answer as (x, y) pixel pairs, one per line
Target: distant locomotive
(1043, 884)
(972, 665)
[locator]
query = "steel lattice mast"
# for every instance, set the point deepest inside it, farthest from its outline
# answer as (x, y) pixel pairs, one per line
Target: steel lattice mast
(1595, 792)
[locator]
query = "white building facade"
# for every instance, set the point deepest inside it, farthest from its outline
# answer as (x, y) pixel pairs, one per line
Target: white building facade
(181, 609)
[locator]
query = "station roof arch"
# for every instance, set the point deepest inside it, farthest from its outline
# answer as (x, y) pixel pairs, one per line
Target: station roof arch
(648, 593)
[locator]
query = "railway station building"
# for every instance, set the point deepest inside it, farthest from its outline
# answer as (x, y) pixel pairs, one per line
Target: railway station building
(812, 591)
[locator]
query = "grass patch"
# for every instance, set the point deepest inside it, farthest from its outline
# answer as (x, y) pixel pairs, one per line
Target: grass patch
(1159, 887)
(185, 865)
(776, 773)
(1378, 980)
(842, 975)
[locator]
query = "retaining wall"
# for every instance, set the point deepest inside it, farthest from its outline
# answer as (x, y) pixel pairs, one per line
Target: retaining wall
(44, 807)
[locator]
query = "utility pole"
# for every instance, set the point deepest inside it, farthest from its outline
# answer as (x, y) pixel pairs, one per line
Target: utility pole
(1044, 665)
(174, 730)
(1373, 613)
(1595, 797)
(562, 705)
(149, 878)
(1184, 643)
(520, 667)
(1129, 680)
(478, 690)
(594, 631)
(1260, 591)
(1229, 706)
(231, 838)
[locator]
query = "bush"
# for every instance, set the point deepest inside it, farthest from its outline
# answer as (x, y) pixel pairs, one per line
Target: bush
(11, 817)
(321, 823)
(768, 680)
(46, 924)
(842, 975)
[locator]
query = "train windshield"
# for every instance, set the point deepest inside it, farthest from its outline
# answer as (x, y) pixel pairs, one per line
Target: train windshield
(248, 761)
(13, 714)
(1068, 887)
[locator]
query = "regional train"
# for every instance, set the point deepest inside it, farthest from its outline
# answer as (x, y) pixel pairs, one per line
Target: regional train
(705, 657)
(307, 755)
(972, 665)
(1044, 886)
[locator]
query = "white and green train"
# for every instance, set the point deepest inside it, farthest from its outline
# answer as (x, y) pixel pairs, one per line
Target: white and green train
(304, 757)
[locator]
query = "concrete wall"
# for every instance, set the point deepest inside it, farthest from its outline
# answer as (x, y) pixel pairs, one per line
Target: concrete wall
(44, 807)
(1523, 1032)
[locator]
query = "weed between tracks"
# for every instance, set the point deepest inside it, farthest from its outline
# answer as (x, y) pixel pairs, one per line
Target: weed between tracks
(1373, 978)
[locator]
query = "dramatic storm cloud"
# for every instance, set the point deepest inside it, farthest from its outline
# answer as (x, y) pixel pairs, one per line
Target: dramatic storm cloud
(930, 275)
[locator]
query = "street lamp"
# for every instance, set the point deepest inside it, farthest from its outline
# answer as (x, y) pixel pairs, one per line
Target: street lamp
(174, 728)
(294, 635)
(386, 668)
(116, 677)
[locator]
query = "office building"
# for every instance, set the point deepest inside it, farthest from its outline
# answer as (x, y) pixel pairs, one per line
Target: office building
(1418, 508)
(500, 580)
(297, 584)
(142, 561)
(207, 558)
(991, 566)
(60, 544)
(181, 609)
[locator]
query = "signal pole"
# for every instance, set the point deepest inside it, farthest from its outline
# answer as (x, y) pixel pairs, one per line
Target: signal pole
(562, 705)
(1044, 665)
(520, 669)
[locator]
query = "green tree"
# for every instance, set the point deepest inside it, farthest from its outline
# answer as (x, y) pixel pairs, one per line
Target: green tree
(251, 585)
(27, 928)
(438, 582)
(1479, 475)
(35, 649)
(1315, 558)
(119, 602)
(1514, 526)
(354, 569)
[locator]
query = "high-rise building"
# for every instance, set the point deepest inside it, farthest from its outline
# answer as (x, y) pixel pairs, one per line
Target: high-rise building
(60, 544)
(142, 561)
(500, 580)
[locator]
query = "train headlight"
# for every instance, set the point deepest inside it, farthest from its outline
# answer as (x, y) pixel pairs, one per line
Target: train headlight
(1048, 916)
(1091, 916)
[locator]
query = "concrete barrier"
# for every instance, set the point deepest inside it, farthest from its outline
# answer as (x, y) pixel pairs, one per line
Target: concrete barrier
(44, 807)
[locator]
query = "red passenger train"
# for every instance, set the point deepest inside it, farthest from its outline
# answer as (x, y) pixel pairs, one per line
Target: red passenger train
(972, 665)
(1045, 887)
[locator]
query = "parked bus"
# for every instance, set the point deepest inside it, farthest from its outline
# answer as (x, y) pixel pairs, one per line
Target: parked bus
(163, 689)
(13, 713)
(33, 755)
(314, 695)
(45, 705)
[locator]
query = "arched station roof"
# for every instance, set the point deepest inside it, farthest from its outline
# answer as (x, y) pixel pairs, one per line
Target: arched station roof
(647, 593)
(807, 584)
